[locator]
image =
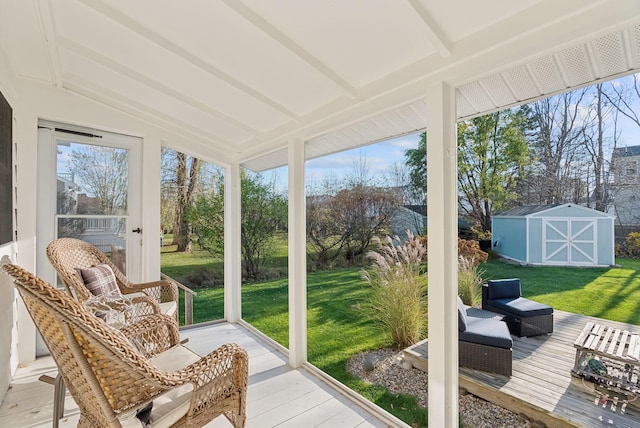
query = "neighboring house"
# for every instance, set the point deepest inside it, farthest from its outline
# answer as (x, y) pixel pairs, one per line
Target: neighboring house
(625, 165)
(411, 218)
(67, 187)
(414, 219)
(561, 235)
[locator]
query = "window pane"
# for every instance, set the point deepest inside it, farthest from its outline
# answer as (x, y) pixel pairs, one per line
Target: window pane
(91, 179)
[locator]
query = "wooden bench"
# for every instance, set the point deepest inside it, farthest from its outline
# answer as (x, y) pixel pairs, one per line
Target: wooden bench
(617, 359)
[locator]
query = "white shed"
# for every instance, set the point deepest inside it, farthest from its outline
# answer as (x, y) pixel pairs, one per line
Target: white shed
(561, 235)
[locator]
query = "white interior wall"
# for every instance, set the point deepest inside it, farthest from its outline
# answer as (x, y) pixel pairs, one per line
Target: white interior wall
(8, 301)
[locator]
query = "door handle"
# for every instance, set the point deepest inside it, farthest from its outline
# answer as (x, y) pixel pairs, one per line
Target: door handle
(138, 230)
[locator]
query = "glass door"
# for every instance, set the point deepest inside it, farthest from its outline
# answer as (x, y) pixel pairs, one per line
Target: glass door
(97, 192)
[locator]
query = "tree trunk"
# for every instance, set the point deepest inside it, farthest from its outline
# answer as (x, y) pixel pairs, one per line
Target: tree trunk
(186, 193)
(601, 203)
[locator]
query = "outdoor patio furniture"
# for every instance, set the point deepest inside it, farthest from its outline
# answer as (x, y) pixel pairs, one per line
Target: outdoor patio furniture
(68, 256)
(111, 379)
(609, 358)
(523, 316)
(484, 343)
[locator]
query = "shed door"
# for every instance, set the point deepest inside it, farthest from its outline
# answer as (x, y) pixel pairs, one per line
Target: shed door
(569, 241)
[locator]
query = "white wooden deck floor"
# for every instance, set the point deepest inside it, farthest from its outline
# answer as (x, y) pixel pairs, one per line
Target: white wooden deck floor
(278, 395)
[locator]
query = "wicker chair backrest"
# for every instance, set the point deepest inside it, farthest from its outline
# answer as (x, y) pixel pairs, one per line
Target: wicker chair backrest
(69, 254)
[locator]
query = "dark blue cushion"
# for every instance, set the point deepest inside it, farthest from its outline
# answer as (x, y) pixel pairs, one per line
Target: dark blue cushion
(486, 331)
(521, 307)
(462, 316)
(503, 288)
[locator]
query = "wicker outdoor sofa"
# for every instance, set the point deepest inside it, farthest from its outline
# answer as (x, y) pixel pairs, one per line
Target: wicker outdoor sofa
(484, 343)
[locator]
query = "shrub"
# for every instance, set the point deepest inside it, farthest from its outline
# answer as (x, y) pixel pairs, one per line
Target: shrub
(492, 255)
(399, 290)
(471, 251)
(203, 278)
(469, 281)
(631, 246)
(467, 249)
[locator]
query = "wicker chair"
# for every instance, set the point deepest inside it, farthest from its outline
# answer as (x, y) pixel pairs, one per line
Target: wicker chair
(67, 255)
(523, 316)
(110, 378)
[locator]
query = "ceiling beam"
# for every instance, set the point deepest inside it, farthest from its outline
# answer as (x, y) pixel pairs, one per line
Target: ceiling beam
(46, 24)
(127, 22)
(144, 79)
(436, 36)
(263, 25)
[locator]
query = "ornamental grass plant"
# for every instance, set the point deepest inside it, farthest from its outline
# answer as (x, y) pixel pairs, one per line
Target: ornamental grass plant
(398, 302)
(469, 281)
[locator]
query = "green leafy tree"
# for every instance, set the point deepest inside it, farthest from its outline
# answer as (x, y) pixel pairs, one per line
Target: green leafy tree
(264, 212)
(206, 217)
(416, 160)
(492, 156)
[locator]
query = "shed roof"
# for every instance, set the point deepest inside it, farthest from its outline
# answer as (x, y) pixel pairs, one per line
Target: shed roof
(531, 210)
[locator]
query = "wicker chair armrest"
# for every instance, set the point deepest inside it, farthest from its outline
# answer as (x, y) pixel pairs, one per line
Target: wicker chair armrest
(168, 290)
(218, 375)
(228, 363)
(226, 358)
(145, 305)
(153, 334)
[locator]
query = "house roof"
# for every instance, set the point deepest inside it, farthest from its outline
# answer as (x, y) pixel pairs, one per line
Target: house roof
(626, 151)
(246, 77)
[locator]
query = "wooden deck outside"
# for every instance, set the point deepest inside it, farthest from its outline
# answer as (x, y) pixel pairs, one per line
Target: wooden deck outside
(541, 386)
(278, 395)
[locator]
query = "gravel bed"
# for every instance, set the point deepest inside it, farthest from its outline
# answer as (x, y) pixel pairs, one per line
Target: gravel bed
(474, 412)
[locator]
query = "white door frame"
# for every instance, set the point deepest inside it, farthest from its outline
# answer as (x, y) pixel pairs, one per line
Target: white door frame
(46, 224)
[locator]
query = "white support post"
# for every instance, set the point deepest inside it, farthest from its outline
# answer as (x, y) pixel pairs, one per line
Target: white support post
(151, 167)
(442, 230)
(297, 257)
(232, 249)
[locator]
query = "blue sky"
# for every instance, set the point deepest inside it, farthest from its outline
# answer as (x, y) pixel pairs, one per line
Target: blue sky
(380, 158)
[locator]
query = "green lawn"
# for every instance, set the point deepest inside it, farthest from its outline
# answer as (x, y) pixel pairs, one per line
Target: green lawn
(337, 330)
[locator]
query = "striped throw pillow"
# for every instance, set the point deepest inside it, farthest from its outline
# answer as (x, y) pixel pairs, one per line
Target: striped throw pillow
(101, 281)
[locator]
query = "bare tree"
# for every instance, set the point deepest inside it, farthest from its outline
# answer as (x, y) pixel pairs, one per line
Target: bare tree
(343, 224)
(364, 212)
(558, 130)
(101, 173)
(623, 94)
(398, 177)
(602, 115)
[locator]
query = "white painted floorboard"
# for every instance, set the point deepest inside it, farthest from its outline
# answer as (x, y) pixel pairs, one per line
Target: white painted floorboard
(278, 395)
